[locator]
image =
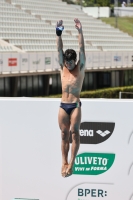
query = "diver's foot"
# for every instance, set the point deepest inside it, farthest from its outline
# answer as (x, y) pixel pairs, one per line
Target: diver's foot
(63, 170)
(69, 171)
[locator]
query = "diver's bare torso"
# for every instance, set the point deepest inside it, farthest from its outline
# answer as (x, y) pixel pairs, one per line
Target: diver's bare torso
(71, 84)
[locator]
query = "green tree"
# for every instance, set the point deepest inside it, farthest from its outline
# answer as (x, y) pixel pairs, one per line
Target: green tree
(90, 3)
(103, 2)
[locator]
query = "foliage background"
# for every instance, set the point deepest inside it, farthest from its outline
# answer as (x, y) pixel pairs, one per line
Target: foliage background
(92, 3)
(108, 93)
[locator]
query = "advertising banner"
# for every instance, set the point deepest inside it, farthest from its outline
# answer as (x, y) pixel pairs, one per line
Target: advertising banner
(48, 61)
(115, 59)
(130, 59)
(102, 60)
(41, 65)
(30, 151)
(96, 60)
(14, 63)
(126, 59)
(108, 60)
(1, 62)
(89, 60)
(24, 62)
(34, 62)
(7, 62)
(118, 59)
(56, 65)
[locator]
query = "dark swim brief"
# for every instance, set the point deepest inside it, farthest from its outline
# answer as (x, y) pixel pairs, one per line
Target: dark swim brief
(68, 107)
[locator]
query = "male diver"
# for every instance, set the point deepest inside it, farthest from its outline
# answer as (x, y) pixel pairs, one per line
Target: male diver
(72, 76)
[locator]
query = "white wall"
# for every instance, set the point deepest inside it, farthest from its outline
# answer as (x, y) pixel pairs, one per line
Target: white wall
(126, 11)
(30, 152)
(97, 12)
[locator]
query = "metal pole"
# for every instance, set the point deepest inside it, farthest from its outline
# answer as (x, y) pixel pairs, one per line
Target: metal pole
(116, 20)
(98, 11)
(81, 4)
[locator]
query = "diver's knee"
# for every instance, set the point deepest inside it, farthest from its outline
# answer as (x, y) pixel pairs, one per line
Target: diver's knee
(65, 135)
(76, 137)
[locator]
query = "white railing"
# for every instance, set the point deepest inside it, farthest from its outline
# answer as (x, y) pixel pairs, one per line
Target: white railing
(43, 62)
(120, 94)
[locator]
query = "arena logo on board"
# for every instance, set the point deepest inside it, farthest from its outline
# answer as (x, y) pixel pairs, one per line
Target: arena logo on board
(12, 62)
(95, 132)
(88, 191)
(93, 163)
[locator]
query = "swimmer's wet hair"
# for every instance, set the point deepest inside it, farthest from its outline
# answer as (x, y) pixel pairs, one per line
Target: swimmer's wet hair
(70, 54)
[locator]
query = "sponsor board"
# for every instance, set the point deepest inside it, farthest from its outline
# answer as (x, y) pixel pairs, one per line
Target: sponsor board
(24, 61)
(107, 59)
(87, 191)
(96, 59)
(12, 62)
(47, 60)
(102, 60)
(93, 163)
(117, 58)
(95, 132)
(36, 62)
(1, 62)
(126, 58)
(107, 167)
(89, 59)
